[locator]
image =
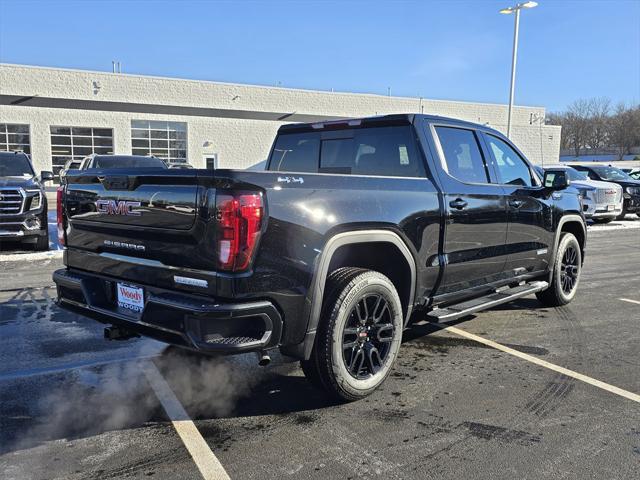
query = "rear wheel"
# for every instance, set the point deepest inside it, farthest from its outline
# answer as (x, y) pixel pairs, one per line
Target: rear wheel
(566, 273)
(358, 336)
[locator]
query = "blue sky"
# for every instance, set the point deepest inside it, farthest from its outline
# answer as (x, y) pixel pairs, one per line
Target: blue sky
(456, 49)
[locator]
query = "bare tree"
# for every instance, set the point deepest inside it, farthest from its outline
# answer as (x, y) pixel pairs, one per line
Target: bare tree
(598, 119)
(591, 123)
(577, 127)
(624, 128)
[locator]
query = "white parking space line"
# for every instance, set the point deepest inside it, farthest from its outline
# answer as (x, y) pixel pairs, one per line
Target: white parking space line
(209, 466)
(565, 371)
(629, 300)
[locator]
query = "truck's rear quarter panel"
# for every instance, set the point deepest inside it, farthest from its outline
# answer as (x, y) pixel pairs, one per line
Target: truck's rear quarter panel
(304, 215)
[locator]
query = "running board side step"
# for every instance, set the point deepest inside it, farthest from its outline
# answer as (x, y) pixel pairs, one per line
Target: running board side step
(453, 312)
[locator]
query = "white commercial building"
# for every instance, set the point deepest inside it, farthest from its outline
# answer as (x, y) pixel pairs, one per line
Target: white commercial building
(57, 114)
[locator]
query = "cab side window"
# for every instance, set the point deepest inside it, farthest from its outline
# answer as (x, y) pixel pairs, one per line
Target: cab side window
(512, 169)
(462, 155)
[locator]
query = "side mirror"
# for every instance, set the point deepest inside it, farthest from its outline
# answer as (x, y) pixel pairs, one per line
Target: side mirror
(46, 176)
(556, 179)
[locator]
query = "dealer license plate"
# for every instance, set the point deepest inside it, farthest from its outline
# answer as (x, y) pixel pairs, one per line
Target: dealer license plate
(611, 208)
(130, 298)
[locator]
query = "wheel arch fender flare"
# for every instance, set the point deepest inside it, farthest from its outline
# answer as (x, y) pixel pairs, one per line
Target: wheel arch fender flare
(321, 272)
(565, 219)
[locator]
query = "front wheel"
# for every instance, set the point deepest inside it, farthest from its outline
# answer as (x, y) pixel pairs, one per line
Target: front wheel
(359, 334)
(566, 273)
(42, 243)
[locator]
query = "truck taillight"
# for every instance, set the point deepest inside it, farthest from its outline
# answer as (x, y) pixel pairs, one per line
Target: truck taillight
(60, 215)
(239, 223)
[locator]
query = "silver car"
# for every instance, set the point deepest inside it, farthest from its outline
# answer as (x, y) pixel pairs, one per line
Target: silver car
(601, 201)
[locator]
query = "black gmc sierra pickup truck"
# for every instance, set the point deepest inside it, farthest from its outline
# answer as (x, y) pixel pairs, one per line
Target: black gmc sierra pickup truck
(356, 228)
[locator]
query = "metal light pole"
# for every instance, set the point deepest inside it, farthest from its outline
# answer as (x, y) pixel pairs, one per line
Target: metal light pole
(514, 57)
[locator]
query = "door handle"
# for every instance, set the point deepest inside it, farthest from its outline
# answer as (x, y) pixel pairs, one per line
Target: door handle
(516, 203)
(458, 204)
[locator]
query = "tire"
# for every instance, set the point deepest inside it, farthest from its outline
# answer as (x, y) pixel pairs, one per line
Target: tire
(566, 273)
(42, 244)
(622, 215)
(358, 336)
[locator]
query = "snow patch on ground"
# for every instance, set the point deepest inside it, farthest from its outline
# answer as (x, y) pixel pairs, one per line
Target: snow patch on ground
(629, 222)
(21, 253)
(20, 257)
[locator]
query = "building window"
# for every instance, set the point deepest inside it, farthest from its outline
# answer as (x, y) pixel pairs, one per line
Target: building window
(75, 143)
(166, 140)
(15, 138)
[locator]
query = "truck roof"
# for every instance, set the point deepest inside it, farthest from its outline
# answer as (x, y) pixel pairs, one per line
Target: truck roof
(377, 120)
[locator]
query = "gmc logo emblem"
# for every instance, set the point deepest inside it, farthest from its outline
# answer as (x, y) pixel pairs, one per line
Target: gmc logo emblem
(111, 207)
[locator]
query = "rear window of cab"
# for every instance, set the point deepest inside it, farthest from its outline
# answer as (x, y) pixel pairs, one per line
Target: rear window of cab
(379, 151)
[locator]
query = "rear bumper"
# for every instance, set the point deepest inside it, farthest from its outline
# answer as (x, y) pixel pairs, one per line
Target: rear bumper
(190, 321)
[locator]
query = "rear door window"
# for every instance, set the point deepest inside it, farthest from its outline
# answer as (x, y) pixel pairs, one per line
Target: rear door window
(462, 154)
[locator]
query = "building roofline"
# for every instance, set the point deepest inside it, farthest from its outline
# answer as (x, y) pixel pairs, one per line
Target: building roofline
(248, 85)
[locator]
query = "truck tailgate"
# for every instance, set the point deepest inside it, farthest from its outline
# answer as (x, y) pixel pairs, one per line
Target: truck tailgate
(149, 216)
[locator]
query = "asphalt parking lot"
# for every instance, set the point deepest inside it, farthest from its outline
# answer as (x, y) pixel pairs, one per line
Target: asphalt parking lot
(74, 406)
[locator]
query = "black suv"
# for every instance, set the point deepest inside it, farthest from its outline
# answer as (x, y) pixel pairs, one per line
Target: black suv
(23, 203)
(630, 186)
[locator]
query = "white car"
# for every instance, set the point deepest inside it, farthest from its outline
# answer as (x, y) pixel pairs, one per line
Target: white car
(601, 201)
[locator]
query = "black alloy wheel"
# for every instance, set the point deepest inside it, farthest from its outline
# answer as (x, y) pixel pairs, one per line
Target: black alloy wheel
(569, 269)
(359, 334)
(367, 336)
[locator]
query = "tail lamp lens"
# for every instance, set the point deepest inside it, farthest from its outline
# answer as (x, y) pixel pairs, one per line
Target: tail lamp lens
(60, 215)
(239, 223)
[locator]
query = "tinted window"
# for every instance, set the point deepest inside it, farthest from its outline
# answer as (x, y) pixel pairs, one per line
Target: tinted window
(576, 175)
(611, 173)
(387, 151)
(296, 152)
(14, 165)
(336, 156)
(462, 155)
(128, 162)
(511, 167)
